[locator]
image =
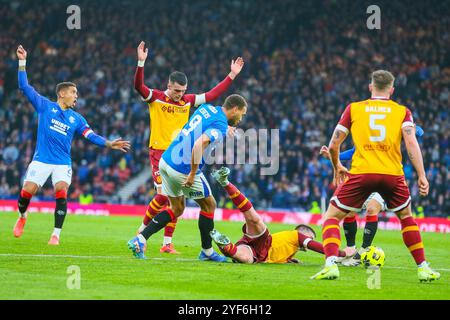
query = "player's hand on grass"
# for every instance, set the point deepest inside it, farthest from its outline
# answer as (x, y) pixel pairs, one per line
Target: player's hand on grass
(189, 180)
(119, 144)
(236, 67)
(324, 152)
(21, 53)
(424, 187)
(142, 52)
(340, 173)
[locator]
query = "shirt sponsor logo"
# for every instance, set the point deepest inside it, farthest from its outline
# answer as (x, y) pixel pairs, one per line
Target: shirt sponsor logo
(173, 109)
(60, 127)
(377, 147)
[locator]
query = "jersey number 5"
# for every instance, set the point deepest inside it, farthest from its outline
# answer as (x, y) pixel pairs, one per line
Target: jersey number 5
(379, 127)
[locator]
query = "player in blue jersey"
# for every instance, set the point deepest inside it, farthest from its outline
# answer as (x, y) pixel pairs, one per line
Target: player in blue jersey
(180, 169)
(57, 125)
(373, 206)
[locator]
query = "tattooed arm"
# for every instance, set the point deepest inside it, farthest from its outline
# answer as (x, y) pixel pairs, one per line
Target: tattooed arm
(415, 155)
(340, 171)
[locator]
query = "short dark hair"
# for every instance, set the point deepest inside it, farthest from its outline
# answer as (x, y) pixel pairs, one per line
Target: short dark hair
(235, 100)
(382, 79)
(64, 85)
(303, 227)
(178, 77)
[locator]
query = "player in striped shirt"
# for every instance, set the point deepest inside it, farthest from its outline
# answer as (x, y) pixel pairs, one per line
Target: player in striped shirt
(169, 112)
(57, 125)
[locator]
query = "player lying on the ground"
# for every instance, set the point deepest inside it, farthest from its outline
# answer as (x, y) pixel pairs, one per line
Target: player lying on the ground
(169, 112)
(258, 245)
(57, 125)
(377, 126)
(180, 168)
(373, 206)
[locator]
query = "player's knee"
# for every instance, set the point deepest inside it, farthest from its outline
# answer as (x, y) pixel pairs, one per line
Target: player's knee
(30, 187)
(404, 213)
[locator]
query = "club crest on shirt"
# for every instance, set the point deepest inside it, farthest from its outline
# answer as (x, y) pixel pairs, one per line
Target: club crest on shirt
(71, 119)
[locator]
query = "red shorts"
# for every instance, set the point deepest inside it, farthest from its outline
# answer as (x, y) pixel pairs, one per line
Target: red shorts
(155, 156)
(260, 245)
(351, 195)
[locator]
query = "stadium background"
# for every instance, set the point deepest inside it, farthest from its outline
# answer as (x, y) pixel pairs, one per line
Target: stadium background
(305, 61)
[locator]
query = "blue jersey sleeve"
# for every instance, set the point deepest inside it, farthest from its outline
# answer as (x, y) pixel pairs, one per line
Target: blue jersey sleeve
(85, 130)
(38, 101)
(419, 131)
(347, 155)
(217, 132)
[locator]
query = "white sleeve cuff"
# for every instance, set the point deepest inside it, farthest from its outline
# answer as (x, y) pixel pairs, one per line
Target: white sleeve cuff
(22, 63)
(141, 63)
(200, 99)
(149, 96)
(342, 128)
(305, 243)
(408, 124)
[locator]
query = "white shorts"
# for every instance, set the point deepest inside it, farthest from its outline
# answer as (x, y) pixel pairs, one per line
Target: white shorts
(377, 197)
(172, 183)
(38, 172)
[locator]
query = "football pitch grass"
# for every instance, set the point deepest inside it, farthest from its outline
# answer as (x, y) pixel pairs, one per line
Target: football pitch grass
(31, 269)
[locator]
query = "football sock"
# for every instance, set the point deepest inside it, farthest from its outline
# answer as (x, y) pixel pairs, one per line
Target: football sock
(206, 225)
(229, 250)
(23, 202)
(61, 208)
(208, 251)
(412, 239)
(56, 232)
(238, 198)
(313, 245)
(169, 229)
(331, 236)
(155, 206)
(370, 230)
(167, 240)
(350, 228)
(158, 222)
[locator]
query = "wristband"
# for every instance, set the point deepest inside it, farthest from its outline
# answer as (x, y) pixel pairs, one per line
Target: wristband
(22, 63)
(141, 63)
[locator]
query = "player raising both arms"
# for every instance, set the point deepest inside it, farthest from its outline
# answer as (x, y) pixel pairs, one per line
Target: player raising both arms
(169, 112)
(258, 245)
(180, 168)
(373, 206)
(377, 126)
(57, 125)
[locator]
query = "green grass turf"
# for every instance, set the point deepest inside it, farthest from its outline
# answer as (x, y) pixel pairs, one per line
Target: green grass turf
(30, 269)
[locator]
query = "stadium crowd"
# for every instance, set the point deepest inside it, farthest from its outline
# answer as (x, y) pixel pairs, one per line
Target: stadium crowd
(304, 62)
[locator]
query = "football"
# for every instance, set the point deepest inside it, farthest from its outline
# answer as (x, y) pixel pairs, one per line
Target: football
(373, 257)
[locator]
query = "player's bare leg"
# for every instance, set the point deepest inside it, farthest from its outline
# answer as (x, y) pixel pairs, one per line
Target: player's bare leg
(331, 242)
(413, 241)
(29, 189)
(61, 189)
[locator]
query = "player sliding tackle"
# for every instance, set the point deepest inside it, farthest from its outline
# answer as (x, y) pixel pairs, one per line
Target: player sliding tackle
(377, 126)
(180, 168)
(258, 245)
(373, 206)
(57, 125)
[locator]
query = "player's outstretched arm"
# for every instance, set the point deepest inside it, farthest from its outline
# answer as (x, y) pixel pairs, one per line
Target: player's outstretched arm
(197, 152)
(89, 134)
(415, 155)
(219, 89)
(35, 98)
(139, 85)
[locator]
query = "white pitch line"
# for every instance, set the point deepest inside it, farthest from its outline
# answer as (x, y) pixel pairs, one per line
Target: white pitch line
(151, 258)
